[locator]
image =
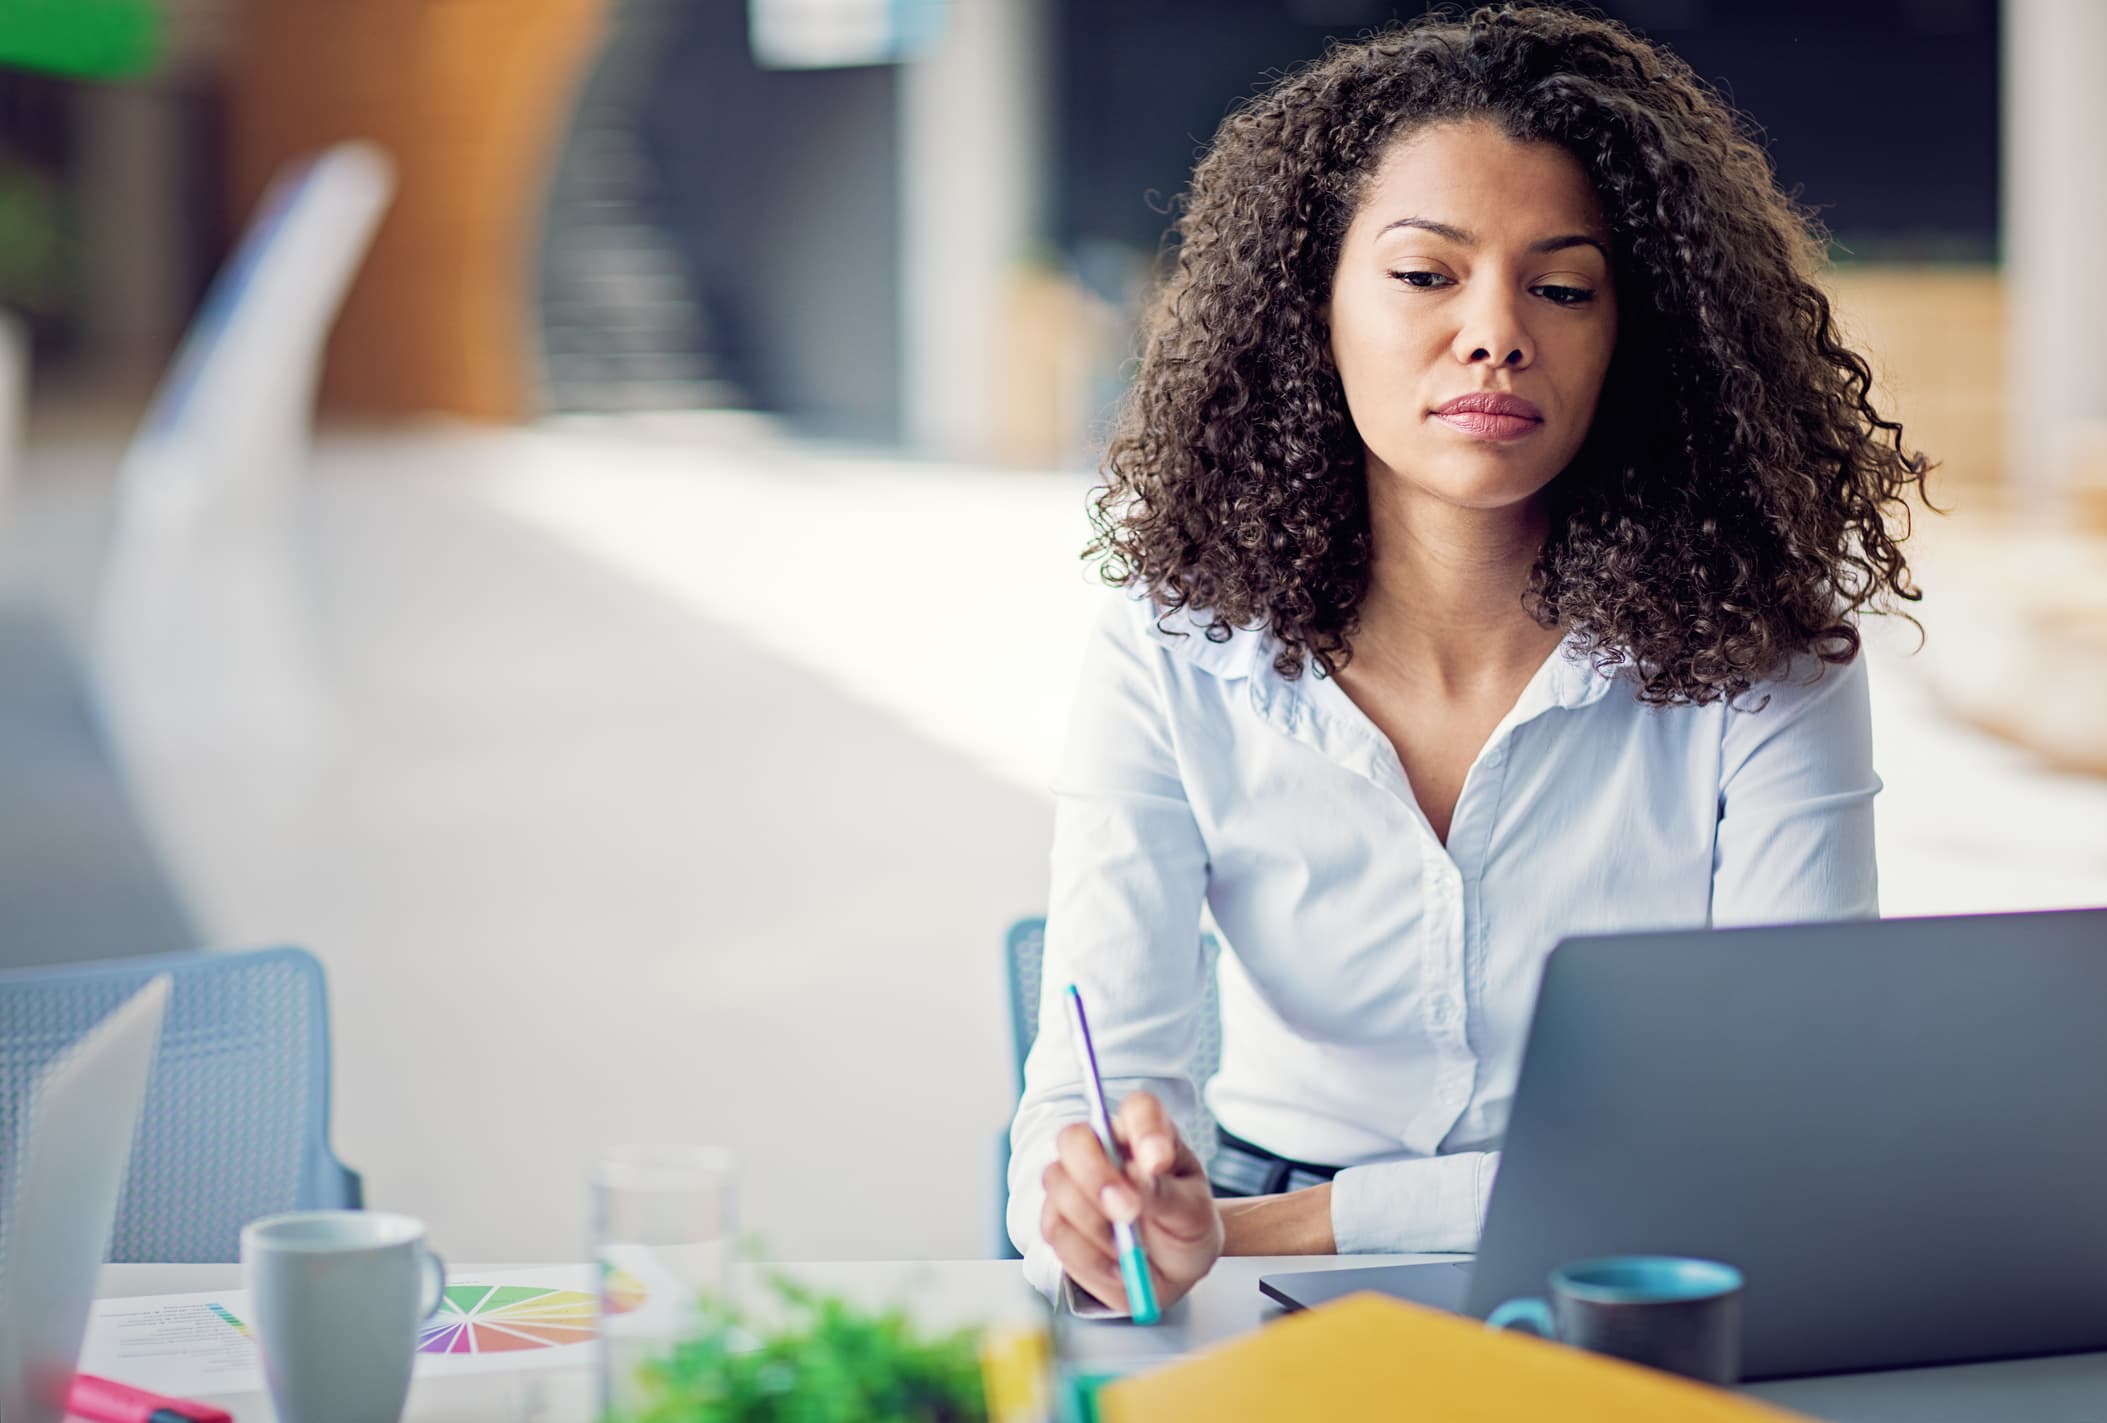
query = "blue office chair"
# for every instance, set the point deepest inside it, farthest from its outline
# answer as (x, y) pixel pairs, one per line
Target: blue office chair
(236, 1122)
(1023, 949)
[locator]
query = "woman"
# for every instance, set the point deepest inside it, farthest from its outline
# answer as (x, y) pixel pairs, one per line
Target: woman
(1495, 501)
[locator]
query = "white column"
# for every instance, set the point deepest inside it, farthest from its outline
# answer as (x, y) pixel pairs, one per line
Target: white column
(2055, 218)
(973, 175)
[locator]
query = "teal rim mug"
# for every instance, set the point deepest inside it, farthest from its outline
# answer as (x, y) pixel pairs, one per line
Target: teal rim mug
(1664, 1311)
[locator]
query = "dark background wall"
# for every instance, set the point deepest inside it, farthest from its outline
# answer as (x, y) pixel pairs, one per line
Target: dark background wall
(780, 189)
(1882, 113)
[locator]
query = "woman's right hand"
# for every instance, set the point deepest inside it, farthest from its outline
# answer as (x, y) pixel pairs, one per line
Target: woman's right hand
(1164, 1188)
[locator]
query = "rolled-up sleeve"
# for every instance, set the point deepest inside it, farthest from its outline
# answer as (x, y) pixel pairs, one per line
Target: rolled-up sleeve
(1796, 789)
(1129, 872)
(1432, 1205)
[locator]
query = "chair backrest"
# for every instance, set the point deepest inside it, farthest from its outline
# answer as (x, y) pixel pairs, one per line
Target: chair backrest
(1023, 949)
(236, 1123)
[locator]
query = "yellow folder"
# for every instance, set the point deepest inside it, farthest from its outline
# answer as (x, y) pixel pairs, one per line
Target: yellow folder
(1371, 1357)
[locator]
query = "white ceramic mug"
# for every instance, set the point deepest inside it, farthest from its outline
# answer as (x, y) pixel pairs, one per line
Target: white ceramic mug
(336, 1298)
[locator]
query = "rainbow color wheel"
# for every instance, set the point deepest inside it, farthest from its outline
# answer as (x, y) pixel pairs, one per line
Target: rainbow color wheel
(490, 1319)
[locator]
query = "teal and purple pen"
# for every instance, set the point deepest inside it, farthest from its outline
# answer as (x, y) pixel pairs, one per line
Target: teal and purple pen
(1133, 1261)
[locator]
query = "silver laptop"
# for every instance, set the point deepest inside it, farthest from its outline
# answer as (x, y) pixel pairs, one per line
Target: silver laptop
(64, 1170)
(1893, 1128)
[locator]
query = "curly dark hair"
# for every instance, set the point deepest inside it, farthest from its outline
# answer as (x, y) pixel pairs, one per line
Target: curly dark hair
(1728, 508)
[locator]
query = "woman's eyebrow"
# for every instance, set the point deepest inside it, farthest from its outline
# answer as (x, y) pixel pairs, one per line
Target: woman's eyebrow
(1439, 229)
(1466, 239)
(1571, 239)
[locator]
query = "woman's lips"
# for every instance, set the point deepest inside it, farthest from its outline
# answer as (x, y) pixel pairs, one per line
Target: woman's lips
(1484, 425)
(1490, 415)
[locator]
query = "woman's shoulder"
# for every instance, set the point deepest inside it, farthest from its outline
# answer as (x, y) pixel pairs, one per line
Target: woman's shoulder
(1809, 711)
(1800, 683)
(1805, 680)
(1136, 622)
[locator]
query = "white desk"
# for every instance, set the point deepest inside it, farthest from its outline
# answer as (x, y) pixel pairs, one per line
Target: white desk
(2069, 1389)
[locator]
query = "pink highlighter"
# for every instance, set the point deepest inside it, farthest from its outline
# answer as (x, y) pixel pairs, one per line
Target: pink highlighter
(107, 1401)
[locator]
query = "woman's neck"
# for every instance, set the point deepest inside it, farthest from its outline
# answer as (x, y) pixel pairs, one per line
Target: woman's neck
(1444, 601)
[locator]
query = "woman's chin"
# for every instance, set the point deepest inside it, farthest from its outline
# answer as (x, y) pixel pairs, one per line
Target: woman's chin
(1482, 484)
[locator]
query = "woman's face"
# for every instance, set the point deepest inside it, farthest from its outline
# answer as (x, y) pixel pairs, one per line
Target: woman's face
(1472, 314)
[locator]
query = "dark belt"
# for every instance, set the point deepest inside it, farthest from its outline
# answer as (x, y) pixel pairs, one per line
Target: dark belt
(1242, 1168)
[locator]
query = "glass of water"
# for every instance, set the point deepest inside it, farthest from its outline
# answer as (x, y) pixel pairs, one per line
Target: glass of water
(663, 1237)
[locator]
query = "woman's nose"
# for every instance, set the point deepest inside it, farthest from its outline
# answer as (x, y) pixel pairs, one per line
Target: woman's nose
(1493, 334)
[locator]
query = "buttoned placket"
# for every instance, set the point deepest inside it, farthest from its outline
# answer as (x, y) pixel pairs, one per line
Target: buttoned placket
(1328, 721)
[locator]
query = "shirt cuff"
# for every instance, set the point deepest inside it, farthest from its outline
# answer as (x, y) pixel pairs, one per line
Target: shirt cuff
(1085, 1305)
(1435, 1205)
(1042, 1269)
(1043, 1272)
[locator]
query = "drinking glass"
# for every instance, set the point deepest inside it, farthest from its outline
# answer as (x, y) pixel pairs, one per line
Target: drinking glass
(663, 1237)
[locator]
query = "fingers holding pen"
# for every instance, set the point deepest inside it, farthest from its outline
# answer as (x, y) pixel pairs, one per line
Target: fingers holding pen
(1083, 1158)
(1182, 1218)
(1080, 1184)
(1162, 1191)
(1068, 1206)
(1151, 1137)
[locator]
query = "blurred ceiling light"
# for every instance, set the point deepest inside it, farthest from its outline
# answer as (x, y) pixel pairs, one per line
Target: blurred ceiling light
(837, 34)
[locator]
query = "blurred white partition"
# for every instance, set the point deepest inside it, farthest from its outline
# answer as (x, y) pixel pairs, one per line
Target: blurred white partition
(204, 586)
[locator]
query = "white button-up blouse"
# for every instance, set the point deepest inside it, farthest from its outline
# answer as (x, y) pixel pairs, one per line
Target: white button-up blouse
(1376, 984)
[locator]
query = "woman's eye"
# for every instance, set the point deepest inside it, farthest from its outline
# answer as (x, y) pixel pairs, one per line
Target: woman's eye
(1566, 296)
(1425, 281)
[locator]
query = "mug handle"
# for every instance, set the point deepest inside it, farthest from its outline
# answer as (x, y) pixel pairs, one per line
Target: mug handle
(434, 1268)
(1532, 1312)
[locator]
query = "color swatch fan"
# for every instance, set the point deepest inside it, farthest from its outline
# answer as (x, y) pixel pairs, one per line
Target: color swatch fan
(489, 1319)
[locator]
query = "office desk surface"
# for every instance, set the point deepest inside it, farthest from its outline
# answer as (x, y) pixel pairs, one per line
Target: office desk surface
(2067, 1389)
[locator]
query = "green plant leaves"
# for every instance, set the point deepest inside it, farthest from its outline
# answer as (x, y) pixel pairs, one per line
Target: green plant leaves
(828, 1362)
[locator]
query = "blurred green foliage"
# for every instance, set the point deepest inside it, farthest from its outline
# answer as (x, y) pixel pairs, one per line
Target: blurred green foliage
(96, 39)
(827, 1362)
